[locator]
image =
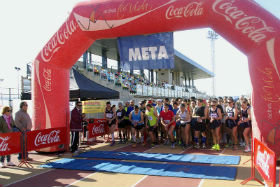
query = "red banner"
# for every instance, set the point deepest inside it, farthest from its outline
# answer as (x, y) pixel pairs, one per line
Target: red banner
(98, 128)
(9, 143)
(265, 162)
(39, 139)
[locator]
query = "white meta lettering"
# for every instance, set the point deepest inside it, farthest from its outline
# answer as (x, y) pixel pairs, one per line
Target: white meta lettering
(263, 161)
(162, 53)
(3, 144)
(52, 137)
(254, 27)
(153, 51)
(134, 55)
(148, 53)
(145, 53)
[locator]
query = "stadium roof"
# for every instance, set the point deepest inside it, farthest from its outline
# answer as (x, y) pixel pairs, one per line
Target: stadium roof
(182, 63)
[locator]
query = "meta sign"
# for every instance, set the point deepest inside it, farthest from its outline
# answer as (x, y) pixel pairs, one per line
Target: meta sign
(265, 162)
(154, 51)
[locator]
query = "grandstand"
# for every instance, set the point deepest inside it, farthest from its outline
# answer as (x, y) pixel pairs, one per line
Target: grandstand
(177, 82)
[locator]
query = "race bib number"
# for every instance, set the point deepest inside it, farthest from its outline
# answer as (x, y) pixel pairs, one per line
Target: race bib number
(229, 114)
(150, 118)
(166, 121)
(119, 114)
(213, 115)
(109, 115)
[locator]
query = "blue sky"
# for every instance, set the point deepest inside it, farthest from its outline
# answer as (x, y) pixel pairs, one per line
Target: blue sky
(27, 25)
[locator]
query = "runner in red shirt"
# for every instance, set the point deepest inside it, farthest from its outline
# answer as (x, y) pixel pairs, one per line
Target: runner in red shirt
(167, 119)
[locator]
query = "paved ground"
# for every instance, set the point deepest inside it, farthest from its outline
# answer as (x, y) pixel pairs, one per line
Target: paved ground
(25, 177)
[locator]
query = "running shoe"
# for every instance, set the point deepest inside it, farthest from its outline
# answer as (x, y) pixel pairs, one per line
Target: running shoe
(134, 145)
(203, 146)
(152, 145)
(113, 143)
(247, 149)
(2, 165)
(10, 164)
(120, 142)
(173, 145)
(214, 147)
(218, 147)
(166, 142)
(197, 146)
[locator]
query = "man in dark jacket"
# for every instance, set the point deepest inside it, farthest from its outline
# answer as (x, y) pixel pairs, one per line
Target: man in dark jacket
(76, 126)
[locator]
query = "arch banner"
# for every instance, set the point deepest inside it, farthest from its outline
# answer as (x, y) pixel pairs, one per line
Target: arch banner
(244, 23)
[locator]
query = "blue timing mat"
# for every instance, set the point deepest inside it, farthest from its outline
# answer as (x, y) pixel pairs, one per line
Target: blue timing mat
(193, 158)
(170, 170)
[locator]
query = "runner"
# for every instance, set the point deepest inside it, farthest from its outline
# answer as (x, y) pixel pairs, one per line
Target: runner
(110, 117)
(168, 121)
(231, 118)
(137, 120)
(183, 119)
(121, 123)
(200, 125)
(215, 116)
(128, 123)
(158, 108)
(245, 121)
(151, 122)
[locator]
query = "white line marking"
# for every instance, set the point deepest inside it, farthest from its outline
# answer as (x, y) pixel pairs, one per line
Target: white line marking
(140, 181)
(29, 177)
(81, 179)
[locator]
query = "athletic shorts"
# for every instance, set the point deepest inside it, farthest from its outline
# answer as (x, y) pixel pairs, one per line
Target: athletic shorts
(200, 126)
(246, 125)
(230, 123)
(127, 123)
(152, 128)
(121, 124)
(172, 124)
(138, 127)
(215, 124)
(112, 123)
(183, 124)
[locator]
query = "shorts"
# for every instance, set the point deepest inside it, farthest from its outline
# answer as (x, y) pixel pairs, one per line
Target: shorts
(138, 127)
(230, 123)
(127, 123)
(246, 125)
(121, 125)
(173, 124)
(152, 129)
(112, 123)
(193, 122)
(200, 126)
(184, 124)
(215, 124)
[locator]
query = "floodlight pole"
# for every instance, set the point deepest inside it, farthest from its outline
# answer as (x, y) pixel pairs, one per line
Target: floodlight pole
(18, 69)
(1, 89)
(212, 35)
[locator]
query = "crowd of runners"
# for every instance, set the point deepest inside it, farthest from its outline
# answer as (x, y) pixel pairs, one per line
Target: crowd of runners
(189, 123)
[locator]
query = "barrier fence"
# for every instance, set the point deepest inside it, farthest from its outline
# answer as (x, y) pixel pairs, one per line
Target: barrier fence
(264, 160)
(98, 127)
(16, 142)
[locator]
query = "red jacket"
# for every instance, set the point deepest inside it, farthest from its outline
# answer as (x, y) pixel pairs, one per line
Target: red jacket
(76, 120)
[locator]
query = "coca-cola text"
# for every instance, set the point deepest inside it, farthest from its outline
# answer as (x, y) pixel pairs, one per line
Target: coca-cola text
(192, 9)
(3, 144)
(52, 137)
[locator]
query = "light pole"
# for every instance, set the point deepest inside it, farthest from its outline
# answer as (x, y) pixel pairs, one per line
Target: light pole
(18, 69)
(212, 35)
(1, 89)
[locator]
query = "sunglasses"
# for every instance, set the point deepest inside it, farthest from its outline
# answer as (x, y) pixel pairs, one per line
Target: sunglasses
(9, 110)
(80, 105)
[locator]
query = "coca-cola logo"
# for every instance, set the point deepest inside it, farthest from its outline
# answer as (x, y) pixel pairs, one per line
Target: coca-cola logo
(98, 129)
(192, 9)
(52, 137)
(263, 161)
(254, 27)
(57, 40)
(3, 144)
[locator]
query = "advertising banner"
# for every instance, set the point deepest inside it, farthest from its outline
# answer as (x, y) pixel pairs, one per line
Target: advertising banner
(265, 162)
(98, 128)
(10, 143)
(39, 139)
(92, 106)
(154, 51)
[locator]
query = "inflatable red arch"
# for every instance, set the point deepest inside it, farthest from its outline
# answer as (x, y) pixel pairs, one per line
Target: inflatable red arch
(244, 23)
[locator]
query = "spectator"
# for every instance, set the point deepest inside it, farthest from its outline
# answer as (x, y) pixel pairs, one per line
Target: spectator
(24, 124)
(6, 126)
(76, 126)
